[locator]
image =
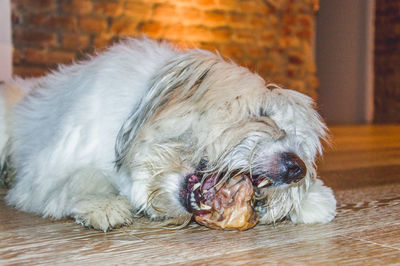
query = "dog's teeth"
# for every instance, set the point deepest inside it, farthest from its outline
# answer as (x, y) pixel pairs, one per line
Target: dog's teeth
(264, 183)
(194, 206)
(204, 206)
(192, 199)
(196, 186)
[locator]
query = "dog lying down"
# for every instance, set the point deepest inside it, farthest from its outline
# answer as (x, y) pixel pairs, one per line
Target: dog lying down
(146, 129)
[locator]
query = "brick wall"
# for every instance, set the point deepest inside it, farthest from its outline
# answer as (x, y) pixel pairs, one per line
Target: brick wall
(387, 62)
(271, 37)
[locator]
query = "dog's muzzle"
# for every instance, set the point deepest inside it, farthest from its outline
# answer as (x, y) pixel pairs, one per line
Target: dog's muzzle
(286, 168)
(230, 204)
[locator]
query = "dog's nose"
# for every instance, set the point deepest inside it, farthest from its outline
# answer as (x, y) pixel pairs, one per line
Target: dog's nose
(292, 169)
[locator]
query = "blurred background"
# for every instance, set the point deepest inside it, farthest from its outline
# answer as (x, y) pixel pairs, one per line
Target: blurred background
(343, 53)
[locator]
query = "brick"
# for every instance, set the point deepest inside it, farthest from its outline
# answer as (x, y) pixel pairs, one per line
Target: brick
(215, 18)
(16, 17)
(34, 5)
(34, 56)
(197, 33)
(273, 20)
(183, 45)
(266, 9)
(213, 47)
(58, 22)
(232, 51)
(205, 3)
(73, 41)
(259, 21)
(277, 5)
(237, 20)
(124, 25)
(92, 25)
(303, 7)
(306, 20)
(46, 57)
(138, 9)
(80, 7)
(280, 80)
(267, 67)
(190, 16)
(386, 58)
(29, 71)
(152, 29)
(315, 5)
(287, 42)
(250, 6)
(108, 8)
(250, 64)
(60, 57)
(165, 13)
(256, 51)
(273, 38)
(174, 32)
(295, 71)
(267, 39)
(105, 40)
(312, 81)
(34, 37)
(295, 58)
(289, 19)
(287, 30)
(228, 5)
(245, 36)
(305, 34)
(298, 85)
(222, 35)
(16, 56)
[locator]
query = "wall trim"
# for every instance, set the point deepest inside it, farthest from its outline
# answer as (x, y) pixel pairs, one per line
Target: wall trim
(369, 61)
(5, 41)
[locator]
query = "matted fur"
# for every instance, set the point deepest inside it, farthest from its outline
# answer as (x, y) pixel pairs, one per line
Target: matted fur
(113, 137)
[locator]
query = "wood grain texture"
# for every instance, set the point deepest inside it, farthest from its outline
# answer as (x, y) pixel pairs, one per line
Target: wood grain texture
(363, 167)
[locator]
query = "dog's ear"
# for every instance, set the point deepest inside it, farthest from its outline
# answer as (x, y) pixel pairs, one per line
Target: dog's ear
(296, 113)
(178, 80)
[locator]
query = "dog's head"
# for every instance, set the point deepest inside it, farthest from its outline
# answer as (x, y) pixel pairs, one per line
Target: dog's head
(216, 120)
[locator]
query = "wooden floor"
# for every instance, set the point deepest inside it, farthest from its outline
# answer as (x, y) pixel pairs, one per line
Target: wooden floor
(362, 166)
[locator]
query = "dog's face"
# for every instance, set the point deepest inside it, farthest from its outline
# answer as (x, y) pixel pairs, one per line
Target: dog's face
(274, 141)
(208, 120)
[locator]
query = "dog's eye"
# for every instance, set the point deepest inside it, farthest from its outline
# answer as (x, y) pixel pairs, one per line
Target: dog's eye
(263, 112)
(274, 130)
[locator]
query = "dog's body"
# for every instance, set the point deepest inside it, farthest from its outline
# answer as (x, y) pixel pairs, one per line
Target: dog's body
(119, 134)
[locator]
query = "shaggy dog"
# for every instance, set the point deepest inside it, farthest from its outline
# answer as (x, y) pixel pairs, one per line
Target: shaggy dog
(125, 133)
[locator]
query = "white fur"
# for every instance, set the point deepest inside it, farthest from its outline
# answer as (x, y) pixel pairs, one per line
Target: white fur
(317, 206)
(129, 124)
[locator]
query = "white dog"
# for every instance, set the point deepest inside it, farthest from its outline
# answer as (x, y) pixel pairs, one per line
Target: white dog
(120, 134)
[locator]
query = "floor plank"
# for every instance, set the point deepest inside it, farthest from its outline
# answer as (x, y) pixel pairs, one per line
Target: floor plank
(362, 166)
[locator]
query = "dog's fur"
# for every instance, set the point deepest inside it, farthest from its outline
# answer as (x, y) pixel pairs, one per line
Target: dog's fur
(115, 136)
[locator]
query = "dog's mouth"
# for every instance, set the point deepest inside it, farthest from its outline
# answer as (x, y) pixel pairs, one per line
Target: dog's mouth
(223, 205)
(228, 203)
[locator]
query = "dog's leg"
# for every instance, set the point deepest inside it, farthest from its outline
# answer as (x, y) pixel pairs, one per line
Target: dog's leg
(95, 201)
(318, 205)
(86, 194)
(156, 195)
(102, 212)
(154, 181)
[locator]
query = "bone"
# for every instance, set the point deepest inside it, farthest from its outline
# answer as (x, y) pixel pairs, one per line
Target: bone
(231, 207)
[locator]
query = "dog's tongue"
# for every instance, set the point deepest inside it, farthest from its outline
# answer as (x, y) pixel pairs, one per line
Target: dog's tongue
(229, 206)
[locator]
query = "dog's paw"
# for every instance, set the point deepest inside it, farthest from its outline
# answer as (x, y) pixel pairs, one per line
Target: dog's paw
(317, 206)
(103, 213)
